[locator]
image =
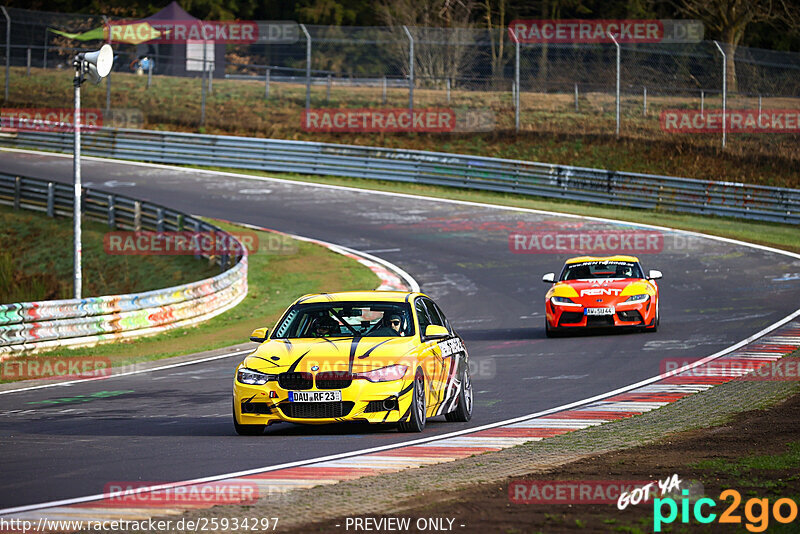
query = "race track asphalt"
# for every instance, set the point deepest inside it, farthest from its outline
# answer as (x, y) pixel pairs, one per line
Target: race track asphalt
(175, 424)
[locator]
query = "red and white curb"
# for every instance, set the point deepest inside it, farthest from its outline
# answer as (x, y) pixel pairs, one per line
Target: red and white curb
(760, 350)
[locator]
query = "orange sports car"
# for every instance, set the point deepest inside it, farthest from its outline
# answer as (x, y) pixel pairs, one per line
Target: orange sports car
(601, 292)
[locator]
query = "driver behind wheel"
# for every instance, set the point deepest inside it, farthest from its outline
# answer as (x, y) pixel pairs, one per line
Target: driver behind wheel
(395, 322)
(324, 326)
(390, 325)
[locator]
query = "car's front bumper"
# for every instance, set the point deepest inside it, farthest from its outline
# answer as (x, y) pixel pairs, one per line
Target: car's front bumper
(635, 314)
(361, 401)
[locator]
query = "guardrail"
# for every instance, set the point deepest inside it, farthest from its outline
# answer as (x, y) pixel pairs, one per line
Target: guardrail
(436, 168)
(30, 326)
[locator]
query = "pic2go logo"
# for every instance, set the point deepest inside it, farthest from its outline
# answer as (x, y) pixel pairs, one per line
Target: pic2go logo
(756, 511)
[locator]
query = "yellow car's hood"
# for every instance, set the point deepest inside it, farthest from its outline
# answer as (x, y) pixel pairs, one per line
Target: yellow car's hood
(329, 354)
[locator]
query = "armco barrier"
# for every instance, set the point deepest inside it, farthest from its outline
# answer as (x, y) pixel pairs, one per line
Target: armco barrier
(490, 174)
(30, 326)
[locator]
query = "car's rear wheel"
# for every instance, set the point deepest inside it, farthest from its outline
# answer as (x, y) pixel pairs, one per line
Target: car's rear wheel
(463, 410)
(246, 430)
(417, 416)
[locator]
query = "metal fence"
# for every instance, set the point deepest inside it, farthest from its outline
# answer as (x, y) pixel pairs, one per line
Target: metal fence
(470, 172)
(369, 67)
(31, 326)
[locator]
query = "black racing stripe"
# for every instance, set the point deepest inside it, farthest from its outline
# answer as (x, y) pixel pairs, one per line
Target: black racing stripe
(296, 362)
(438, 374)
(266, 360)
(366, 354)
(388, 412)
(405, 390)
(444, 380)
(353, 347)
(406, 415)
(455, 366)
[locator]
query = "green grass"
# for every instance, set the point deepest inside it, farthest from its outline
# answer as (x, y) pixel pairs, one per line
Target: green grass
(274, 281)
(32, 268)
(783, 236)
(787, 460)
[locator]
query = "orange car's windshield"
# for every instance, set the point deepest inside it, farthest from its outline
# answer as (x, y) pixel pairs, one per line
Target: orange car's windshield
(589, 270)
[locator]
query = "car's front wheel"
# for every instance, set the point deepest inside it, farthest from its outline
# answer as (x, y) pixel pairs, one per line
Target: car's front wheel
(656, 321)
(417, 416)
(246, 430)
(463, 410)
(549, 332)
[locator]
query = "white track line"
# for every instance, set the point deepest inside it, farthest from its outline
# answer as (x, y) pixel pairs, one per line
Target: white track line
(127, 373)
(430, 440)
(403, 195)
(778, 324)
(338, 249)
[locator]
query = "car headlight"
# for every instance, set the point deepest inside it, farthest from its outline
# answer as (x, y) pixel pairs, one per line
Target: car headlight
(563, 301)
(254, 378)
(384, 374)
(637, 298)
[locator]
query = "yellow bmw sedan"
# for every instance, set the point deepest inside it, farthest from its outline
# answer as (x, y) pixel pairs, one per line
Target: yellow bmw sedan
(384, 357)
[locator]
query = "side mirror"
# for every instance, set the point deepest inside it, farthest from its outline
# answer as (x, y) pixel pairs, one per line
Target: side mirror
(435, 331)
(259, 335)
(549, 278)
(654, 275)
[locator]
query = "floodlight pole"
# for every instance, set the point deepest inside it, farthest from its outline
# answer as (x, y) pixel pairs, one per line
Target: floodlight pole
(618, 54)
(108, 78)
(8, 47)
(203, 89)
(77, 275)
(724, 92)
(515, 95)
(410, 68)
(79, 62)
(308, 66)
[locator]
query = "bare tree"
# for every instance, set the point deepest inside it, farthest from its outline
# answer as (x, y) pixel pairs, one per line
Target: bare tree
(552, 10)
(497, 39)
(442, 31)
(729, 19)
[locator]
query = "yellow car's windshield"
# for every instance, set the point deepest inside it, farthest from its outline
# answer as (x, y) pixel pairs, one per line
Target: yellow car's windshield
(346, 319)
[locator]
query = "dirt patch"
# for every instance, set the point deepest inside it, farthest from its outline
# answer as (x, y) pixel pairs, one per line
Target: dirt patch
(757, 453)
